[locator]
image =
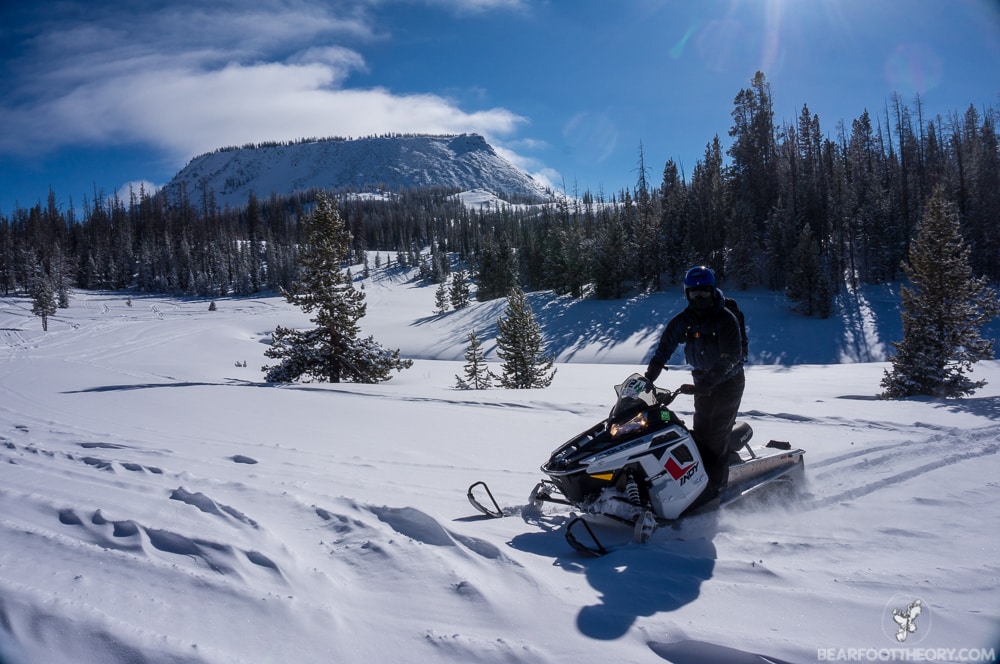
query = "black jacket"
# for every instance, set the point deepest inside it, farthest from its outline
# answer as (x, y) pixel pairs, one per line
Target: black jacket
(713, 344)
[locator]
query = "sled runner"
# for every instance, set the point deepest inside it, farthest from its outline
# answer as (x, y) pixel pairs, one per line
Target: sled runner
(641, 467)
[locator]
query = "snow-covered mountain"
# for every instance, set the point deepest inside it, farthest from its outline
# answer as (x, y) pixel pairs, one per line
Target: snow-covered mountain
(465, 161)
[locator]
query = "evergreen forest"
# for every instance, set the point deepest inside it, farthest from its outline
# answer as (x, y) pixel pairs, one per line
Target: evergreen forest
(789, 205)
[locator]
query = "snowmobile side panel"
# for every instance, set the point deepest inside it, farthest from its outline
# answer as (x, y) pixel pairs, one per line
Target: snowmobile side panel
(680, 482)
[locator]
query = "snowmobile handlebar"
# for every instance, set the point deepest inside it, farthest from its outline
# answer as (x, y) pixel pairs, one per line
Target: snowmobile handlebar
(665, 397)
(662, 396)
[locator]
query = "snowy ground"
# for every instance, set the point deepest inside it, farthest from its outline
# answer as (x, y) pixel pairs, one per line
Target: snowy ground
(159, 503)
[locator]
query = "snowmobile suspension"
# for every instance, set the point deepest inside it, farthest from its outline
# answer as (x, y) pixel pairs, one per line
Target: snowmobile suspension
(632, 492)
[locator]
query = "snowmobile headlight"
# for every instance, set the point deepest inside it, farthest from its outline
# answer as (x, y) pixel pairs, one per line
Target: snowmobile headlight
(635, 425)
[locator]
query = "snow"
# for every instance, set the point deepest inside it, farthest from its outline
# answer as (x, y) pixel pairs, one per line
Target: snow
(159, 503)
(465, 161)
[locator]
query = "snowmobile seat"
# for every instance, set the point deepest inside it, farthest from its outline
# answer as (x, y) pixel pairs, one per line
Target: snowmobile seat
(740, 436)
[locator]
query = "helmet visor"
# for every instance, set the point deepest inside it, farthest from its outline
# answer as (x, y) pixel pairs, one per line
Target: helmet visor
(700, 292)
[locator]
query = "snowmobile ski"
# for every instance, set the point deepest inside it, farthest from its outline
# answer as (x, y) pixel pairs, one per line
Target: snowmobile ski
(591, 545)
(494, 512)
(582, 534)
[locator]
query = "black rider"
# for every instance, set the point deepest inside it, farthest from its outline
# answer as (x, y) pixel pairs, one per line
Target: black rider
(712, 342)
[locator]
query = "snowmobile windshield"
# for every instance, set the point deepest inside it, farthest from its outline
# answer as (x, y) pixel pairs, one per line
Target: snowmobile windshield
(635, 394)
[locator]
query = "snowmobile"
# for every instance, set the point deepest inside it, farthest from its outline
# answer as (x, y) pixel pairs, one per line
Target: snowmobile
(641, 467)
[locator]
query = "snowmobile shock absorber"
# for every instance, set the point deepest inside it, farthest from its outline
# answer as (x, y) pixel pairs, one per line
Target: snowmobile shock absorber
(632, 491)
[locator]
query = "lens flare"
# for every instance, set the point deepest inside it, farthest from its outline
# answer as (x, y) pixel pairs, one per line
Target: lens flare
(913, 69)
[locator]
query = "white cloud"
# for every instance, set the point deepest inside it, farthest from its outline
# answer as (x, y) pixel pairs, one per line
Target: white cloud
(479, 6)
(190, 112)
(339, 58)
(549, 177)
(205, 78)
(553, 179)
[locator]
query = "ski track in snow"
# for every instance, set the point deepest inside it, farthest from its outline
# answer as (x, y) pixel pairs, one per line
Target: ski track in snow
(898, 463)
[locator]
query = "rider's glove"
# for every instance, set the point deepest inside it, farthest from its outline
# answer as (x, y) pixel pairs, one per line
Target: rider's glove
(653, 372)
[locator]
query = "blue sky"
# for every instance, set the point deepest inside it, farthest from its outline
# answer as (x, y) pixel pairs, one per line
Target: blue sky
(98, 95)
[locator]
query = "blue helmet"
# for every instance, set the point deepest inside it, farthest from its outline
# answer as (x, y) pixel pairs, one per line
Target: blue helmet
(699, 276)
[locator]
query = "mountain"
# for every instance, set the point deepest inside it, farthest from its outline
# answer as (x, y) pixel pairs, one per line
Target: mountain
(465, 161)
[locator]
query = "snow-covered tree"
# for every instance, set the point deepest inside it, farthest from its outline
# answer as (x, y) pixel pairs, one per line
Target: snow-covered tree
(43, 301)
(331, 351)
(943, 312)
(519, 345)
(477, 374)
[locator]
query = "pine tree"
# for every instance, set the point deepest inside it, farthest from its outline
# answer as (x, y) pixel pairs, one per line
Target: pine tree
(43, 301)
(806, 283)
(752, 175)
(649, 255)
(673, 221)
(497, 269)
(62, 297)
(477, 375)
(943, 313)
(519, 345)
(459, 291)
(331, 351)
(566, 265)
(441, 300)
(613, 251)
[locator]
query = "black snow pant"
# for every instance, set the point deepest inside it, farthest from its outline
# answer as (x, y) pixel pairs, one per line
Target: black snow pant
(714, 417)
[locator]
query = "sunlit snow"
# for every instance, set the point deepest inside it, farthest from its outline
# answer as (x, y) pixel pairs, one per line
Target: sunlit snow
(160, 503)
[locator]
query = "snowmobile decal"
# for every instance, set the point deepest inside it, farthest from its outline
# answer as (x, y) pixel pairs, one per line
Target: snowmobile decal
(676, 471)
(610, 453)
